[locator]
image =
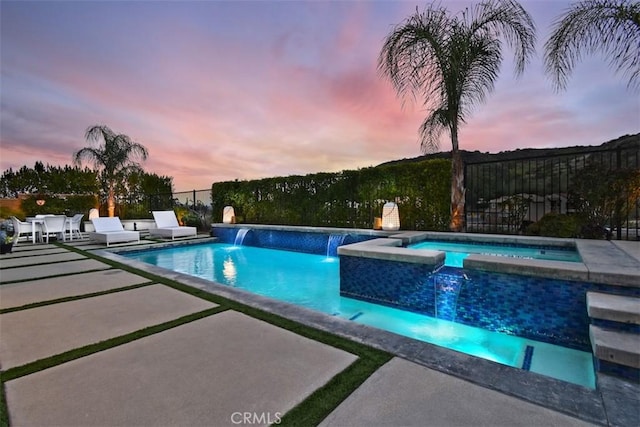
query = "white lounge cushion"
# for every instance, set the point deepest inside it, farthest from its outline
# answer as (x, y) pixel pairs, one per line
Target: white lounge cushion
(167, 226)
(110, 230)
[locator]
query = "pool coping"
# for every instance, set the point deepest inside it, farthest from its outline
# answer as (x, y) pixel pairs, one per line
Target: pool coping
(599, 257)
(603, 261)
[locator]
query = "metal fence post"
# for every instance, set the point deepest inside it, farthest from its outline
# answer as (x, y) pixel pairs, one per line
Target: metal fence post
(618, 207)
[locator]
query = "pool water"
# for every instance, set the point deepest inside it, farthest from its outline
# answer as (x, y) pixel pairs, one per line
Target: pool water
(312, 281)
(456, 252)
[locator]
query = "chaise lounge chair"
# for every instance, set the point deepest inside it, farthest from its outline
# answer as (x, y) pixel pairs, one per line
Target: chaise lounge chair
(167, 226)
(109, 230)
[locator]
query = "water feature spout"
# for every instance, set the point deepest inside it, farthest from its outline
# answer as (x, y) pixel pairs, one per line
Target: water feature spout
(446, 291)
(333, 242)
(242, 233)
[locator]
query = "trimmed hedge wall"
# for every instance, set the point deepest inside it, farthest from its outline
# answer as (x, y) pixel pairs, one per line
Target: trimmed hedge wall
(350, 199)
(68, 205)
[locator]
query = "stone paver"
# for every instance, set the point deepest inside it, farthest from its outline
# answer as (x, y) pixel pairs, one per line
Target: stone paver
(204, 373)
(29, 335)
(609, 263)
(40, 259)
(403, 393)
(22, 293)
(20, 251)
(618, 308)
(39, 271)
(630, 247)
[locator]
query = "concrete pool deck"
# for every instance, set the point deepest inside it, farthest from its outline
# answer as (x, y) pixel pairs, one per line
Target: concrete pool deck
(184, 376)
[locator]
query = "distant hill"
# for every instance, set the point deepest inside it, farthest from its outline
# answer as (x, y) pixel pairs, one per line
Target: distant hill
(627, 142)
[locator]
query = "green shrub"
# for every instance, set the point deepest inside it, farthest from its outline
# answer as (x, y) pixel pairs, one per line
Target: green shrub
(556, 225)
(192, 220)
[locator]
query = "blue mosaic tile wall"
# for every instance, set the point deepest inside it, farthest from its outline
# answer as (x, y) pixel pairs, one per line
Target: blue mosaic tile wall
(546, 310)
(618, 326)
(224, 234)
(397, 284)
(296, 241)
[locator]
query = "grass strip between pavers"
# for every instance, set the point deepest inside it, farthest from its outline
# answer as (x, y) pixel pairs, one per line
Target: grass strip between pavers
(324, 400)
(4, 413)
(310, 411)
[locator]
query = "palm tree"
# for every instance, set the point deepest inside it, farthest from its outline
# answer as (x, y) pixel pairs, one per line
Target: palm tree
(453, 62)
(611, 27)
(116, 157)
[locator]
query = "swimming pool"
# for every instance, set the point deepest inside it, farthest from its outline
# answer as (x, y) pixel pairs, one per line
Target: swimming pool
(456, 252)
(313, 281)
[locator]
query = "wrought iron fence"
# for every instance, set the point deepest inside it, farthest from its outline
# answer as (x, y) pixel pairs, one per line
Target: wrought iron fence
(508, 196)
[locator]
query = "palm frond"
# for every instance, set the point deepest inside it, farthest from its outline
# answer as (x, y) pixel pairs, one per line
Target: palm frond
(431, 130)
(89, 154)
(414, 51)
(505, 19)
(452, 62)
(609, 27)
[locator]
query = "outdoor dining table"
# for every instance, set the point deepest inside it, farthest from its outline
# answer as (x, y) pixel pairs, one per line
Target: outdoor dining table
(36, 223)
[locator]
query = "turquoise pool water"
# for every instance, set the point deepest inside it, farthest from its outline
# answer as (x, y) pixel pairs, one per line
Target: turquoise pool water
(312, 281)
(457, 252)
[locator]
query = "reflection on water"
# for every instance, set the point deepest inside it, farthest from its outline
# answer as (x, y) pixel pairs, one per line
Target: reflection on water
(229, 271)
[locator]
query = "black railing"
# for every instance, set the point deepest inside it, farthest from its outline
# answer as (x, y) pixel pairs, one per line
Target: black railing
(505, 196)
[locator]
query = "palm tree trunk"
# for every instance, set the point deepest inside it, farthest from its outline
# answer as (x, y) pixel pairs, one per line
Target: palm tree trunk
(111, 201)
(457, 186)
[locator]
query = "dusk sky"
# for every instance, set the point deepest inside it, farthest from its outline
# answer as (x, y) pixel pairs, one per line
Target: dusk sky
(223, 90)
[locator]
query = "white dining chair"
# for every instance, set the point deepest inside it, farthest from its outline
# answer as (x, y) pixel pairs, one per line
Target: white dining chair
(22, 229)
(75, 226)
(54, 224)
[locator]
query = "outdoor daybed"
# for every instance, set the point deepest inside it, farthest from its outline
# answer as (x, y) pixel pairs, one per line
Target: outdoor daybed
(109, 230)
(167, 226)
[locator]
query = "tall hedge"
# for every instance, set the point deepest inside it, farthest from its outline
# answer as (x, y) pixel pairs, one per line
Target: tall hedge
(351, 198)
(69, 205)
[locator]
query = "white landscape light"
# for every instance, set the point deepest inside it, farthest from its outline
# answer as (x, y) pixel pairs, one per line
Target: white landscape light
(228, 215)
(390, 216)
(94, 213)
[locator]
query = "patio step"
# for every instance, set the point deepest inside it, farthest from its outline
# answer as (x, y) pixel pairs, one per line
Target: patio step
(621, 348)
(614, 308)
(615, 334)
